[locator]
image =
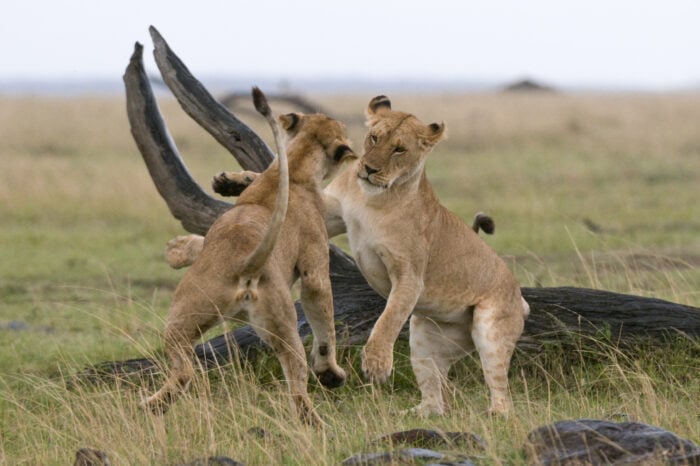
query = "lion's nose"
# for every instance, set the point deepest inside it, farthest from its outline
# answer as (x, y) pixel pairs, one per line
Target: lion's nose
(370, 170)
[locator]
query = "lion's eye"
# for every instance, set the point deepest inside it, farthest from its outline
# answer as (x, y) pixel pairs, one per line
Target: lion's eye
(372, 139)
(398, 150)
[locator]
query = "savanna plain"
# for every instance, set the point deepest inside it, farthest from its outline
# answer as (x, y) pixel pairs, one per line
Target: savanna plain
(590, 190)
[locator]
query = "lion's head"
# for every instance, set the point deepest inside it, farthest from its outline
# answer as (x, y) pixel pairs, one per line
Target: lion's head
(307, 132)
(395, 147)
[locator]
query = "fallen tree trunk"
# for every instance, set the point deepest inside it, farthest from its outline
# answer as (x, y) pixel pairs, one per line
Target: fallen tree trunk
(554, 311)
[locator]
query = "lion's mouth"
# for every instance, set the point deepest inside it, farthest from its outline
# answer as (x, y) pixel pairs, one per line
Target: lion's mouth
(366, 179)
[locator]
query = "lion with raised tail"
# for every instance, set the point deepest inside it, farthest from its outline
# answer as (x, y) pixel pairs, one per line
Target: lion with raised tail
(253, 253)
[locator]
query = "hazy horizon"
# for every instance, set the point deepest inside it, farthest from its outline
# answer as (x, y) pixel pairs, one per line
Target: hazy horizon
(635, 45)
(320, 85)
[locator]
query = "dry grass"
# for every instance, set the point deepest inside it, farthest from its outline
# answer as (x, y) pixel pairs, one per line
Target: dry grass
(586, 190)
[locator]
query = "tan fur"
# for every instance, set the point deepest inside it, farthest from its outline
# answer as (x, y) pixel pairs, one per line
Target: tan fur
(431, 267)
(215, 288)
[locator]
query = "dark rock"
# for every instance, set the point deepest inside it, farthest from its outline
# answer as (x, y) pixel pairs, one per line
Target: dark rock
(452, 463)
(214, 461)
(595, 442)
(368, 459)
(419, 454)
(90, 457)
(409, 456)
(257, 432)
(427, 438)
(406, 456)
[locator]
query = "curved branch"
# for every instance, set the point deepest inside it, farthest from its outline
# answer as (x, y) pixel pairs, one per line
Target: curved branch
(249, 150)
(186, 200)
(233, 99)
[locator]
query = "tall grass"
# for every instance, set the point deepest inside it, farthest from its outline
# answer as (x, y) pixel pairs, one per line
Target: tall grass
(586, 190)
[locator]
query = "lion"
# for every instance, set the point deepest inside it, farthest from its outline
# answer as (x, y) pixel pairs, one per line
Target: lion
(459, 294)
(253, 253)
(431, 267)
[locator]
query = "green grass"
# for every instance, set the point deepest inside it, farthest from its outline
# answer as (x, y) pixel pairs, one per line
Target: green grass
(586, 190)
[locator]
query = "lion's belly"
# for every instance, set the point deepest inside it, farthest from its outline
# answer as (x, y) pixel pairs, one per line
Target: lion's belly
(442, 309)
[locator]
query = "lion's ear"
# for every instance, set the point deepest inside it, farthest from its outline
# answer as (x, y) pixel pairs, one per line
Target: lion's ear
(376, 108)
(290, 122)
(343, 152)
(436, 133)
(377, 104)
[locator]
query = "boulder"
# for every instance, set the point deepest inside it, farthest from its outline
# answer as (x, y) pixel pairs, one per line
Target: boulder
(596, 442)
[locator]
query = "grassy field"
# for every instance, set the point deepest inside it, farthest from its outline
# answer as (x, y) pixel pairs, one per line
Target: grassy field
(597, 191)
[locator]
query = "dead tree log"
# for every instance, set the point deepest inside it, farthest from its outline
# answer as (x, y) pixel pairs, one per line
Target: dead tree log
(235, 101)
(554, 311)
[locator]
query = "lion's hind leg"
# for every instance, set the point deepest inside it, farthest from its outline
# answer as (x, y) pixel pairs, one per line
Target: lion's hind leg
(435, 346)
(495, 331)
(279, 331)
(193, 312)
(179, 373)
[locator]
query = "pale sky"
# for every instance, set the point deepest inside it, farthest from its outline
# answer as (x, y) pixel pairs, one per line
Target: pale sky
(642, 44)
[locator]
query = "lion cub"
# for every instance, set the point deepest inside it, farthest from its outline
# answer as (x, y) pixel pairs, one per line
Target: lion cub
(429, 265)
(252, 255)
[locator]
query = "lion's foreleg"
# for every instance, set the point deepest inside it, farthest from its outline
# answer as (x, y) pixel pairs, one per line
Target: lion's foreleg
(317, 301)
(377, 355)
(233, 183)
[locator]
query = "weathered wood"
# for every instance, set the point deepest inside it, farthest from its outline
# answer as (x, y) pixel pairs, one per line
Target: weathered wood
(233, 101)
(554, 311)
(184, 197)
(247, 147)
(621, 316)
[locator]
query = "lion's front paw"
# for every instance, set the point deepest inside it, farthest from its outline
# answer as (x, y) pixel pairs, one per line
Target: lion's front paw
(181, 251)
(232, 183)
(377, 363)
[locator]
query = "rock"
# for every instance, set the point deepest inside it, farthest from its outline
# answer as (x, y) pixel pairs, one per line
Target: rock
(257, 432)
(595, 442)
(214, 461)
(427, 438)
(368, 459)
(90, 457)
(423, 443)
(406, 456)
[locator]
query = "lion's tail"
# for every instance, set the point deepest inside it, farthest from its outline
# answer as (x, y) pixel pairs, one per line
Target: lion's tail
(483, 222)
(250, 272)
